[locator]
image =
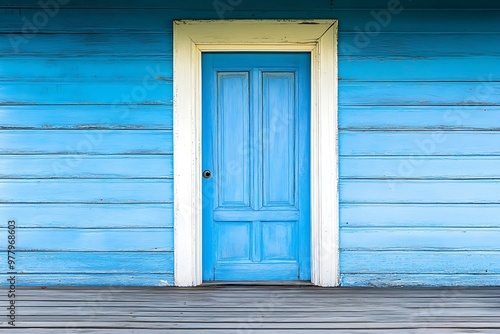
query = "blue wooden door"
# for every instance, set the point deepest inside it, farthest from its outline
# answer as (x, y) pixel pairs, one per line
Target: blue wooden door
(256, 174)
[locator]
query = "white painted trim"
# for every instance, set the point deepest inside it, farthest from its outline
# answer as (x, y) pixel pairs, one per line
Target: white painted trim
(191, 38)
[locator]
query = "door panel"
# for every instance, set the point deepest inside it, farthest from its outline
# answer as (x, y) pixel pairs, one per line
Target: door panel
(278, 107)
(234, 241)
(233, 140)
(286, 233)
(255, 128)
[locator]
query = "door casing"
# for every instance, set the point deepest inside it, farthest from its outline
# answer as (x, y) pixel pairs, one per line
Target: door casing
(191, 38)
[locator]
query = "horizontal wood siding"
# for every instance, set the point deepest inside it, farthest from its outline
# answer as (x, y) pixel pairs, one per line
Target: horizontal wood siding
(86, 137)
(419, 133)
(86, 145)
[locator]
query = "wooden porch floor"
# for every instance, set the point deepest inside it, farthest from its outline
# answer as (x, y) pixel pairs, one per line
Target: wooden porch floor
(260, 309)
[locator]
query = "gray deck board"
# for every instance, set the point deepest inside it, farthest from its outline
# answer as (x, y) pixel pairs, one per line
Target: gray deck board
(259, 309)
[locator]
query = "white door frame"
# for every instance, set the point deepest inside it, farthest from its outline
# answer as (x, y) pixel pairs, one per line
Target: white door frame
(191, 38)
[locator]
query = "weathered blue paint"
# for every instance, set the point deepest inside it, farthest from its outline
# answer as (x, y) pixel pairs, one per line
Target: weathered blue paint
(85, 69)
(420, 191)
(419, 143)
(89, 166)
(419, 215)
(91, 216)
(86, 191)
(394, 238)
(95, 262)
(86, 92)
(87, 240)
(423, 261)
(256, 223)
(418, 93)
(394, 68)
(89, 117)
(86, 141)
(419, 118)
(435, 168)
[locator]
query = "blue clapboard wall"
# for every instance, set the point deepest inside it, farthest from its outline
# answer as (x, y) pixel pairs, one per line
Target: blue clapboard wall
(86, 137)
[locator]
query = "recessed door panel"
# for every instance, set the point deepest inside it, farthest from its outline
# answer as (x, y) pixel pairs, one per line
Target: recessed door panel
(279, 241)
(233, 241)
(278, 107)
(233, 139)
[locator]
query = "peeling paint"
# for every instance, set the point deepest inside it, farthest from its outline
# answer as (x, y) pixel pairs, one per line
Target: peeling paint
(163, 283)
